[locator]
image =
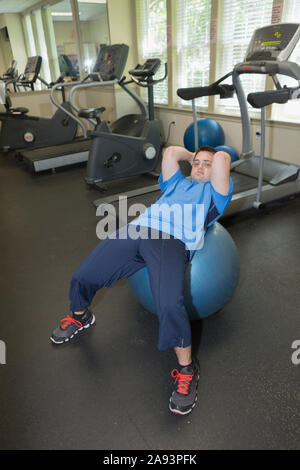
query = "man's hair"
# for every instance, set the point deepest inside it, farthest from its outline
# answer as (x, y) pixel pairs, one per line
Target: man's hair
(206, 148)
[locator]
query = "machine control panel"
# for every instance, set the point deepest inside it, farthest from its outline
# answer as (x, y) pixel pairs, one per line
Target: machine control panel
(149, 68)
(273, 42)
(111, 62)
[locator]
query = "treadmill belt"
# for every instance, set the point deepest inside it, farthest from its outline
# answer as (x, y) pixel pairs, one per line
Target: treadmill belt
(44, 153)
(242, 183)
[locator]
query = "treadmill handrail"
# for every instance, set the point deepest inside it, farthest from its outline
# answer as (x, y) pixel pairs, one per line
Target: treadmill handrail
(291, 69)
(187, 94)
(192, 93)
(261, 99)
(269, 67)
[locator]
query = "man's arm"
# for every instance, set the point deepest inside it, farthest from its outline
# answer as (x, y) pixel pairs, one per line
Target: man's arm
(171, 157)
(220, 172)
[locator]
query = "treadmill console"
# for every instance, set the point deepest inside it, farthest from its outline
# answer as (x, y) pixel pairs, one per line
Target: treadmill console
(32, 69)
(275, 42)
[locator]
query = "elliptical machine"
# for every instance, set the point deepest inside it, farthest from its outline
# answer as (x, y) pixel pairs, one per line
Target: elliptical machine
(132, 144)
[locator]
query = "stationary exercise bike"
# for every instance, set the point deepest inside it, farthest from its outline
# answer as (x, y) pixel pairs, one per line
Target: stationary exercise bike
(20, 131)
(11, 73)
(107, 70)
(131, 145)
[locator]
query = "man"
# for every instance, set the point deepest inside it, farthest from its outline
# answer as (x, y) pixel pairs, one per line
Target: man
(166, 253)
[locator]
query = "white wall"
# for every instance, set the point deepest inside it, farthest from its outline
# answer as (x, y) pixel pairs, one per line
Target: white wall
(2, 20)
(17, 39)
(6, 55)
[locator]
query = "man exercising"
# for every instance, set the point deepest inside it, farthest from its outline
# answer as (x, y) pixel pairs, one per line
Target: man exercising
(165, 252)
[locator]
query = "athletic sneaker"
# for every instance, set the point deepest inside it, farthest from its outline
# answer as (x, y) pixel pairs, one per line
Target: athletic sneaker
(70, 326)
(184, 396)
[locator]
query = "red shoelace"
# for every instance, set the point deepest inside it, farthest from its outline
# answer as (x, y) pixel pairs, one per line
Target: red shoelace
(184, 381)
(65, 322)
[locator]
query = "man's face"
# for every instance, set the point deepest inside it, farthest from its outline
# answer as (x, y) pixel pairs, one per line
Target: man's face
(201, 166)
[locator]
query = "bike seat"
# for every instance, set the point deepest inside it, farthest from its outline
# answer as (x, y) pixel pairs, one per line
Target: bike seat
(19, 110)
(91, 113)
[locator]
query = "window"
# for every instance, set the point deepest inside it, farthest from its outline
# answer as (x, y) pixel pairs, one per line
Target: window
(291, 110)
(30, 44)
(35, 44)
(239, 20)
(152, 39)
(193, 45)
(40, 44)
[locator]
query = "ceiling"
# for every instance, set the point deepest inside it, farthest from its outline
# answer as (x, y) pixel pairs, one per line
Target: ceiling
(88, 8)
(15, 6)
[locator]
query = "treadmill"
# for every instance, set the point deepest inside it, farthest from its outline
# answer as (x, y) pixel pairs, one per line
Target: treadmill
(108, 68)
(256, 179)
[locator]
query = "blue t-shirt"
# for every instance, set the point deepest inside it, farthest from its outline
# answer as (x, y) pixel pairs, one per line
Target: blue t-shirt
(185, 209)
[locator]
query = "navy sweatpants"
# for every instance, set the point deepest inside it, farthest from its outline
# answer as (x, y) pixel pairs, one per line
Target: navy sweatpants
(166, 260)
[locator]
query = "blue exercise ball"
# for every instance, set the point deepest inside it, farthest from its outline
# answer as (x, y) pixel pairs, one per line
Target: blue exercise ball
(209, 133)
(210, 278)
(232, 152)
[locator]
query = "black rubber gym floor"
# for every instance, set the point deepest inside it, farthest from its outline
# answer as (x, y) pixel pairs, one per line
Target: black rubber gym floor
(109, 388)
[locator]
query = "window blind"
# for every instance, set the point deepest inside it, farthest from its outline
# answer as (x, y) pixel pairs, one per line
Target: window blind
(152, 40)
(292, 11)
(291, 110)
(29, 39)
(239, 20)
(36, 43)
(193, 45)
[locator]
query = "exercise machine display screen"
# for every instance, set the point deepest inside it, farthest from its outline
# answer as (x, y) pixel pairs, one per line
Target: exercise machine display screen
(268, 42)
(111, 61)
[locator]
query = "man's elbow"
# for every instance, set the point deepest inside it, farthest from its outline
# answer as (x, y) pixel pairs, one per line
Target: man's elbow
(222, 157)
